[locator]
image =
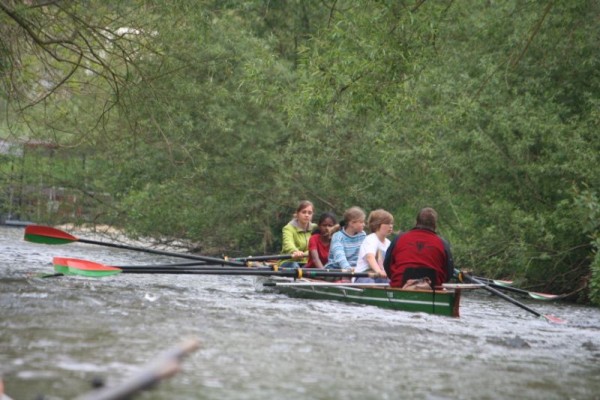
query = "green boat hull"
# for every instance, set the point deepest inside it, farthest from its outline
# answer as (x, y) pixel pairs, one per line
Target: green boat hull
(442, 302)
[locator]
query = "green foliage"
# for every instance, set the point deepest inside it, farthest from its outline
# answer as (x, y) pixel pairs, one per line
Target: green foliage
(586, 209)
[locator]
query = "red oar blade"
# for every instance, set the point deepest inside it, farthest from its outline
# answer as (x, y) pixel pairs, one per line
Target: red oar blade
(556, 320)
(91, 269)
(74, 266)
(47, 235)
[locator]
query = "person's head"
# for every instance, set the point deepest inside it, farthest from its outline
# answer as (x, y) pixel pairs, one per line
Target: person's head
(427, 219)
(304, 212)
(327, 220)
(354, 219)
(378, 218)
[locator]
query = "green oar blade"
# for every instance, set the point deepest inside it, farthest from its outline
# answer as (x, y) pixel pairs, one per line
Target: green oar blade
(47, 235)
(46, 239)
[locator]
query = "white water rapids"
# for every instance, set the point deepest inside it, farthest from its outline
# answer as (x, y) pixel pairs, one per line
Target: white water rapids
(58, 334)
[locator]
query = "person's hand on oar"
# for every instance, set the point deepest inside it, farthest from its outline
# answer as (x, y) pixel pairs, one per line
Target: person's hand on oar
(299, 254)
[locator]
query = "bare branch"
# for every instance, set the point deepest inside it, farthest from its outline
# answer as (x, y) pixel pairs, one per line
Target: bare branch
(536, 30)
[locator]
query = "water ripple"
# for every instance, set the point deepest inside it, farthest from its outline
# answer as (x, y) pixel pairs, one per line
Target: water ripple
(258, 344)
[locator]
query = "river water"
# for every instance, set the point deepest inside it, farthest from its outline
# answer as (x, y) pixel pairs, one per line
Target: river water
(58, 334)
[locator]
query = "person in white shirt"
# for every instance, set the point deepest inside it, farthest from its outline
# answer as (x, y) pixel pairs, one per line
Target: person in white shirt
(373, 248)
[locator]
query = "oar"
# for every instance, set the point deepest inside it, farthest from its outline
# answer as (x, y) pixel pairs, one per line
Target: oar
(494, 281)
(49, 235)
(498, 293)
(506, 285)
(127, 268)
(92, 269)
(533, 295)
(485, 280)
(169, 265)
(248, 261)
(73, 266)
(325, 284)
(291, 273)
(61, 266)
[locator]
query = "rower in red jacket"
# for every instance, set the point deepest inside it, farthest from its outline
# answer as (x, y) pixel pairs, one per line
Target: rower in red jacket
(420, 253)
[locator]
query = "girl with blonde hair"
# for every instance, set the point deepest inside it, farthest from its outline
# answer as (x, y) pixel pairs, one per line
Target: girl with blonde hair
(346, 241)
(372, 250)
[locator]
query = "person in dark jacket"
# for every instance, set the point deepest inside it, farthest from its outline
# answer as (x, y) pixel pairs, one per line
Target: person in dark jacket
(419, 253)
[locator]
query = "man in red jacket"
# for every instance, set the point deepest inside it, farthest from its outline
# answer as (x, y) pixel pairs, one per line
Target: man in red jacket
(419, 253)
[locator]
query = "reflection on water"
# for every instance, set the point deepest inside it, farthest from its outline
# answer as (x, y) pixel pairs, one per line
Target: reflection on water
(57, 334)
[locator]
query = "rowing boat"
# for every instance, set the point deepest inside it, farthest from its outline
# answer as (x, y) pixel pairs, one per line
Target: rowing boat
(439, 302)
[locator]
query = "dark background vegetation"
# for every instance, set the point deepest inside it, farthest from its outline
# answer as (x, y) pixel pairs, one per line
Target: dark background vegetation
(209, 120)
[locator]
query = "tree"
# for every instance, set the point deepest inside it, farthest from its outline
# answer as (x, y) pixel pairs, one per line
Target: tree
(214, 118)
(56, 51)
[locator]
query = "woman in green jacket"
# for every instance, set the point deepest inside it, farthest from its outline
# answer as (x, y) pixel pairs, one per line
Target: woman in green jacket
(296, 235)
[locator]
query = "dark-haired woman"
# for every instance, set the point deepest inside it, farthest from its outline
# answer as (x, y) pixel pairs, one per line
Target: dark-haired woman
(319, 242)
